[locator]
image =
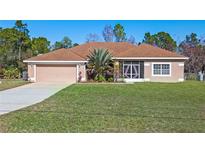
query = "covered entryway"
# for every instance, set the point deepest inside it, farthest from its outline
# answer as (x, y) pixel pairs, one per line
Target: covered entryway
(133, 69)
(56, 73)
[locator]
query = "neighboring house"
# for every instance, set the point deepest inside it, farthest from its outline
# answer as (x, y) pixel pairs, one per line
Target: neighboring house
(136, 63)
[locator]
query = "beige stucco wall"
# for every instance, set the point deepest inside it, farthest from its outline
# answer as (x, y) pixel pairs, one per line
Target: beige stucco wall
(56, 73)
(177, 71)
(30, 71)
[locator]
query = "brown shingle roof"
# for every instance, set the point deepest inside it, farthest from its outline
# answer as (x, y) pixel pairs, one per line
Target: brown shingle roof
(113, 47)
(145, 50)
(117, 49)
(58, 55)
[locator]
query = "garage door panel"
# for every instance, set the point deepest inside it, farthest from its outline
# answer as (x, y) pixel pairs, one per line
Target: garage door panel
(56, 73)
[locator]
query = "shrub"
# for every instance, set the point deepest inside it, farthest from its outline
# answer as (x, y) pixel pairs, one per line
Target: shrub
(1, 72)
(11, 73)
(110, 79)
(100, 78)
(91, 73)
(191, 76)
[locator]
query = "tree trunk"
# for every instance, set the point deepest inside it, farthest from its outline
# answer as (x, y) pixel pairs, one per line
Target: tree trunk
(19, 53)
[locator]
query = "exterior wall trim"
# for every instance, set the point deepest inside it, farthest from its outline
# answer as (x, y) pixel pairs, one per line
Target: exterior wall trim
(84, 78)
(181, 64)
(31, 79)
(180, 79)
(34, 78)
(129, 58)
(147, 79)
(146, 64)
(77, 71)
(134, 80)
(54, 62)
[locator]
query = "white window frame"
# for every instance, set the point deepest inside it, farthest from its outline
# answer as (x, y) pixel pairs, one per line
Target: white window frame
(162, 75)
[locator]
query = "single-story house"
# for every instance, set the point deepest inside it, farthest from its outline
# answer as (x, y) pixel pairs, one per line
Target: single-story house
(136, 63)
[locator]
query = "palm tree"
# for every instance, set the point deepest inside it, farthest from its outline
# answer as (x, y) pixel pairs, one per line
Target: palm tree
(99, 60)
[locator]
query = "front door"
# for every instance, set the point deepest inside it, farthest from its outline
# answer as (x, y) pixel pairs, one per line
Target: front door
(135, 71)
(131, 70)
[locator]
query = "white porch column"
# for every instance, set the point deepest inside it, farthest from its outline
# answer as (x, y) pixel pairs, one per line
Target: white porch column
(84, 72)
(147, 71)
(77, 71)
(34, 68)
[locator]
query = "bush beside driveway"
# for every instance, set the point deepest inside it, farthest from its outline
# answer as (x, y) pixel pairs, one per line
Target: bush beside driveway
(8, 84)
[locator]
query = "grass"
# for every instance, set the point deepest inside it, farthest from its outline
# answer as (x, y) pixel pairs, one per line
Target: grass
(141, 107)
(7, 84)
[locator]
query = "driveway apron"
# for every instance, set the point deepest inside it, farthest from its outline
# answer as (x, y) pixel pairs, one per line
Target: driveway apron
(23, 96)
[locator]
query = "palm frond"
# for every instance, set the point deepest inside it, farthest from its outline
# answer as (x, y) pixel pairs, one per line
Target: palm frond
(100, 59)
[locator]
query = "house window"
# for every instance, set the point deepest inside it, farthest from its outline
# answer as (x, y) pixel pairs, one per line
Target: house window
(161, 69)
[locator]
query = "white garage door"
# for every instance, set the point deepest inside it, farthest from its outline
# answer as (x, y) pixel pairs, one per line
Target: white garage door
(56, 73)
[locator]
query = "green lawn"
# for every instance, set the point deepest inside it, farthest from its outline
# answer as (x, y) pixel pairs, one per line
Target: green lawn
(141, 107)
(7, 84)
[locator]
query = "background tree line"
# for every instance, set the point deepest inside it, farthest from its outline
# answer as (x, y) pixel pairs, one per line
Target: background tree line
(192, 46)
(17, 45)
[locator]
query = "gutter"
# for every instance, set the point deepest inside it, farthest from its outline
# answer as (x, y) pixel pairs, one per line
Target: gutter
(184, 58)
(53, 62)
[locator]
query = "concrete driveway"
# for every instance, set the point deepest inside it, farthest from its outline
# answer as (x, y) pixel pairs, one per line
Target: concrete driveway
(26, 95)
